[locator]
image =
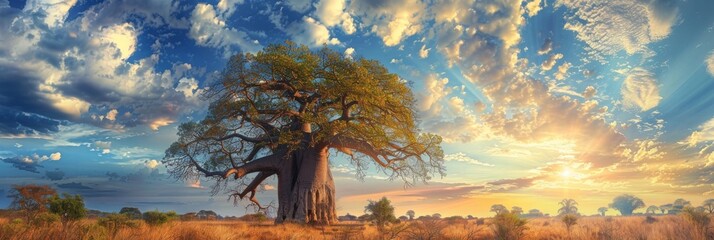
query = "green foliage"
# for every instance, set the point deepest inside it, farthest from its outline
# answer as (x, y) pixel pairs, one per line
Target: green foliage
(68, 207)
(132, 212)
(508, 226)
(627, 203)
(499, 209)
(382, 212)
(255, 217)
(45, 219)
(155, 218)
(602, 211)
(114, 222)
(570, 220)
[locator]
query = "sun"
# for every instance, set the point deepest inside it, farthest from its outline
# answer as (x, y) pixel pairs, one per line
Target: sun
(566, 173)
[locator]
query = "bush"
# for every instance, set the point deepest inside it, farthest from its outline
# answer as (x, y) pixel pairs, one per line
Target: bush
(698, 219)
(155, 218)
(570, 220)
(508, 226)
(382, 212)
(45, 219)
(69, 208)
(113, 222)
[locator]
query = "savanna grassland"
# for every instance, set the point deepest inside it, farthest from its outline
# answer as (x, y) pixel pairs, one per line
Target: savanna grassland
(632, 227)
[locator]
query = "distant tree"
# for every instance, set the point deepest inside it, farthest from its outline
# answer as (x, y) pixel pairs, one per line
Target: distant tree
(652, 209)
(602, 211)
(30, 199)
(679, 205)
(132, 212)
(517, 210)
(114, 222)
(382, 212)
(155, 218)
(68, 207)
(626, 203)
(535, 212)
(499, 209)
(568, 206)
(709, 205)
(665, 208)
(411, 214)
(470, 217)
(436, 215)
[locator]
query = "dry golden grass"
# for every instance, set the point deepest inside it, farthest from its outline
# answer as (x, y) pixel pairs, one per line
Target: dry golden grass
(624, 228)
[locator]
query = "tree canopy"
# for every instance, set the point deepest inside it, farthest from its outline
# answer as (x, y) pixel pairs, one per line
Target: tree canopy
(627, 203)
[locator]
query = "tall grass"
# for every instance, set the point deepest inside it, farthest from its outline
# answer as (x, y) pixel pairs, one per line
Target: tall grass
(625, 228)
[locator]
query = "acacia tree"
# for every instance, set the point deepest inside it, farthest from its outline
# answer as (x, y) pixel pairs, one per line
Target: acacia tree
(652, 209)
(31, 199)
(627, 203)
(517, 210)
(411, 214)
(499, 209)
(709, 205)
(602, 211)
(281, 111)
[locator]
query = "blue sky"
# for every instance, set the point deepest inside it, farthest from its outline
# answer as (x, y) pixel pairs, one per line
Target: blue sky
(536, 100)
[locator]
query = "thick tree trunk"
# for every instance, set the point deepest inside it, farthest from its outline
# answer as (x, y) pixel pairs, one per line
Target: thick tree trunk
(306, 190)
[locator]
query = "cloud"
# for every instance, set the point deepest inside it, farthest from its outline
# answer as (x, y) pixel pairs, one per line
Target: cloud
(55, 156)
(300, 6)
(349, 52)
(332, 12)
(112, 115)
(704, 133)
(589, 92)
(78, 71)
(550, 62)
(55, 175)
(547, 46)
(710, 63)
(562, 72)
(390, 20)
(609, 27)
(461, 157)
(227, 7)
(74, 186)
(104, 146)
(210, 29)
(533, 7)
(153, 163)
(23, 163)
(424, 52)
(310, 32)
(640, 90)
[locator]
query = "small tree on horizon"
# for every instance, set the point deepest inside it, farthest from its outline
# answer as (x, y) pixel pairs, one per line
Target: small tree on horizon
(602, 211)
(132, 212)
(652, 209)
(568, 206)
(664, 208)
(381, 212)
(499, 209)
(411, 214)
(517, 210)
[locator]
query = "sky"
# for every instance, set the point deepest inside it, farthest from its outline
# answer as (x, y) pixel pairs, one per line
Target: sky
(536, 100)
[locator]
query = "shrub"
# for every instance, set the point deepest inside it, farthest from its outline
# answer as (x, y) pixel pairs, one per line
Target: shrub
(155, 218)
(45, 219)
(698, 219)
(68, 208)
(382, 212)
(113, 222)
(650, 219)
(508, 226)
(570, 220)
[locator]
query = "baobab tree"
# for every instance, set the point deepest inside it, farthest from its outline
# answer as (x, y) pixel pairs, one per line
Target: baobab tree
(626, 203)
(284, 110)
(568, 206)
(602, 211)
